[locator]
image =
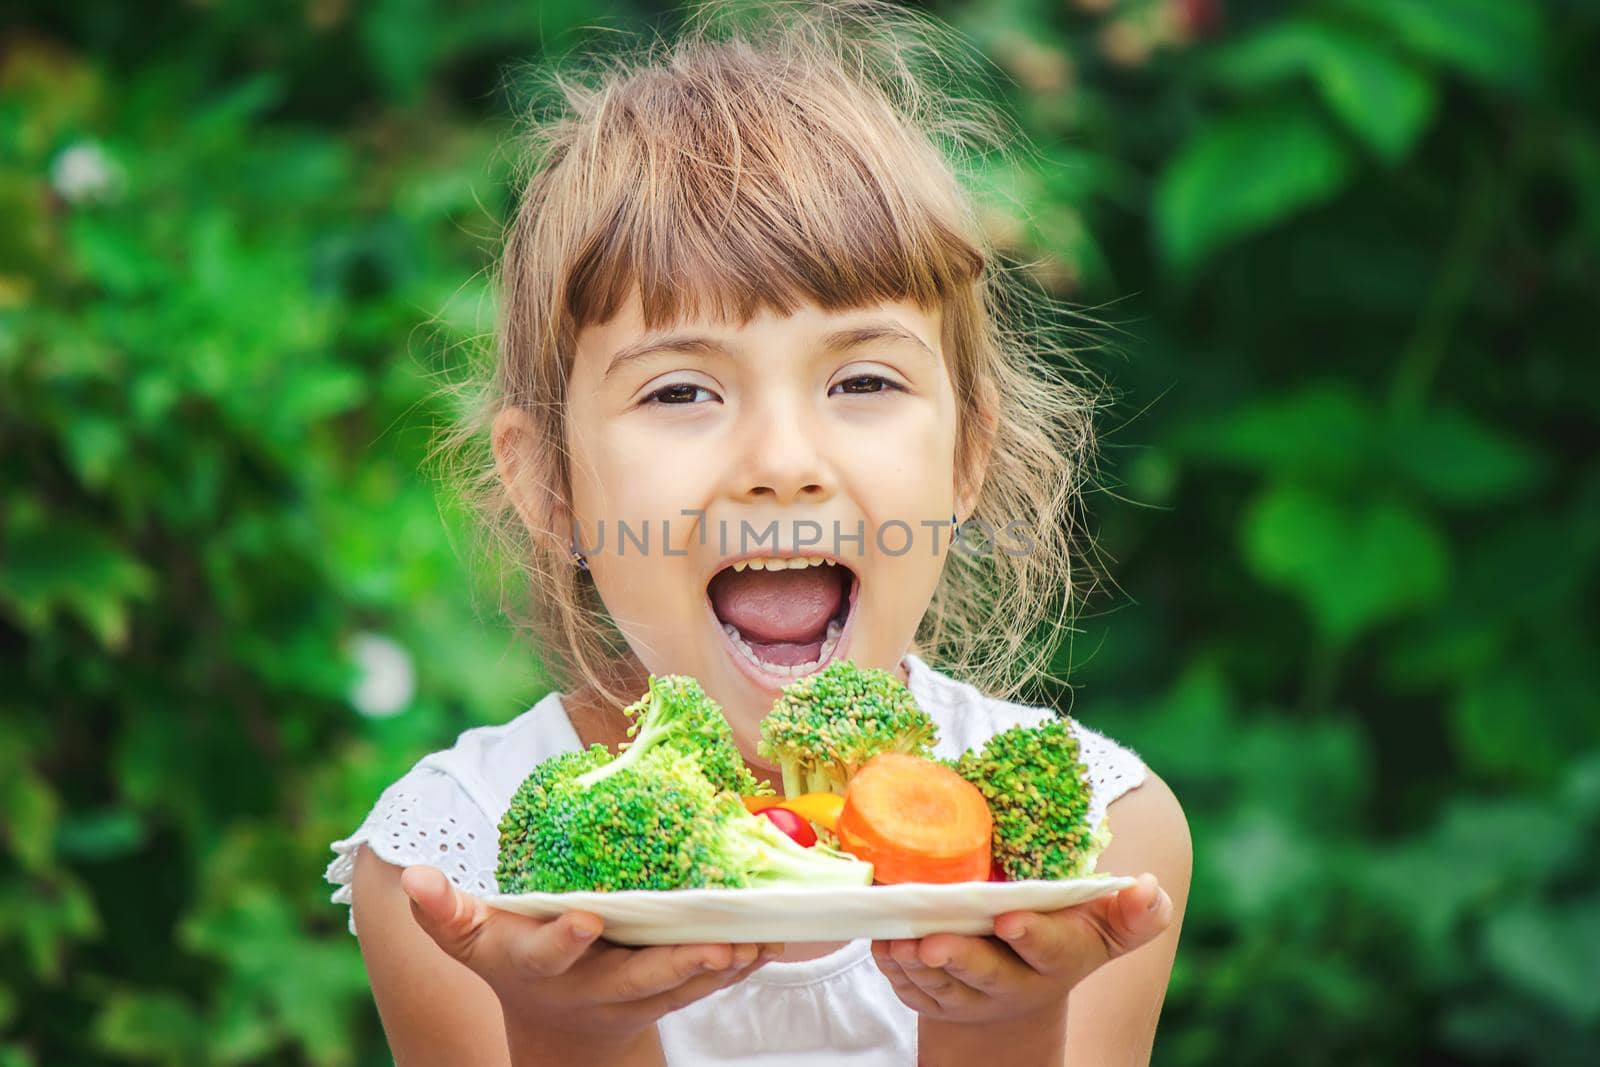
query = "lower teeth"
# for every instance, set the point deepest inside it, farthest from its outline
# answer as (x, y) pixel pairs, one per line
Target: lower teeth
(830, 638)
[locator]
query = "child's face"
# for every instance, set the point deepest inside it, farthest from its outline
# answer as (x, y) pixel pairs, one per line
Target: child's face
(712, 447)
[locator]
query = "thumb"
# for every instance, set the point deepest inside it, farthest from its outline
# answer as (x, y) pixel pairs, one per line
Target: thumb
(449, 917)
(1142, 911)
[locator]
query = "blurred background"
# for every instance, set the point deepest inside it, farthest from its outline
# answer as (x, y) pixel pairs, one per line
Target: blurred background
(1350, 494)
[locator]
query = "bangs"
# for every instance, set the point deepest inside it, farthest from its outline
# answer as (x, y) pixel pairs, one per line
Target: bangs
(759, 201)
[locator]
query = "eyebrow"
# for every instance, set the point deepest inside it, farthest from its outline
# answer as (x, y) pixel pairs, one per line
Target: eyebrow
(838, 341)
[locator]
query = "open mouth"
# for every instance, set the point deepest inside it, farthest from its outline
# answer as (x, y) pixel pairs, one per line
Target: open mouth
(783, 617)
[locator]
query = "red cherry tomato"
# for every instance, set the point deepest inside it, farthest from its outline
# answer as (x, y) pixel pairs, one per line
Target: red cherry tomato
(791, 824)
(996, 873)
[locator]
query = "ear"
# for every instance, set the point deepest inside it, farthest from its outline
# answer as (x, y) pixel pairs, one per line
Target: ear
(972, 468)
(530, 476)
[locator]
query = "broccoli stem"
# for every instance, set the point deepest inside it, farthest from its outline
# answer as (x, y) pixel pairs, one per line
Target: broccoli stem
(780, 860)
(794, 783)
(658, 722)
(821, 781)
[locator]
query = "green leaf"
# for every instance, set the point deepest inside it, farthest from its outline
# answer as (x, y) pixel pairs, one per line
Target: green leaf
(1456, 459)
(1444, 649)
(1325, 432)
(226, 114)
(100, 835)
(242, 1028)
(30, 811)
(1551, 953)
(1500, 42)
(1478, 852)
(53, 564)
(1523, 720)
(1383, 98)
(151, 1025)
(1244, 173)
(95, 445)
(1354, 564)
(1261, 860)
(255, 932)
(1582, 787)
(46, 916)
(1178, 731)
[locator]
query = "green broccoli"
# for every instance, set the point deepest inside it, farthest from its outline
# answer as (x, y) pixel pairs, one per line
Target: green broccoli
(664, 813)
(655, 823)
(676, 714)
(532, 798)
(824, 726)
(1038, 794)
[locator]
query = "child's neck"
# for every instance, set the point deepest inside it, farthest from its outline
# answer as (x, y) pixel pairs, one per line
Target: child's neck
(596, 720)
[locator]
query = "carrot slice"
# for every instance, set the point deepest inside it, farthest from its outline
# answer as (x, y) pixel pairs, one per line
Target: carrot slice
(916, 820)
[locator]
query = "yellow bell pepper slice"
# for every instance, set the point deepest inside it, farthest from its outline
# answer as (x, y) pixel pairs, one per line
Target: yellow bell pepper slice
(821, 808)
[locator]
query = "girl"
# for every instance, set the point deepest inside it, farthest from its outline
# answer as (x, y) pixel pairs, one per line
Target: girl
(752, 375)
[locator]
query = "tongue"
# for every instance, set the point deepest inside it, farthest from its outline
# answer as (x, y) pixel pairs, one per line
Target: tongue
(786, 605)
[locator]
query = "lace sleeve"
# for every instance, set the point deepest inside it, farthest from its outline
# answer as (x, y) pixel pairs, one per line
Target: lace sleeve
(1113, 769)
(423, 818)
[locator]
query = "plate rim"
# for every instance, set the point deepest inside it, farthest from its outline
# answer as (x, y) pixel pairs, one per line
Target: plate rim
(785, 893)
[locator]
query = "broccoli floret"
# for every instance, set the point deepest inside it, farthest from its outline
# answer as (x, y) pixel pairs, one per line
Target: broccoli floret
(676, 715)
(1038, 794)
(638, 828)
(657, 823)
(520, 821)
(824, 726)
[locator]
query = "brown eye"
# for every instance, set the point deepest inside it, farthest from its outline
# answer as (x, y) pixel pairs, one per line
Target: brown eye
(865, 383)
(681, 394)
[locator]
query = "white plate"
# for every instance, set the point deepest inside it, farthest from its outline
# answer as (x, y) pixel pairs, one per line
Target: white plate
(695, 916)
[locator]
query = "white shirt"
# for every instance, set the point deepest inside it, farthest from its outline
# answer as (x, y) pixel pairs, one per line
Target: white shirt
(835, 1009)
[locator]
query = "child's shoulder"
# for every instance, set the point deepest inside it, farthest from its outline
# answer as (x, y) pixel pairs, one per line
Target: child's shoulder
(967, 717)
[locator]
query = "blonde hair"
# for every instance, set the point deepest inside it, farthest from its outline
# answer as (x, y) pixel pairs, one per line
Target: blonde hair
(774, 153)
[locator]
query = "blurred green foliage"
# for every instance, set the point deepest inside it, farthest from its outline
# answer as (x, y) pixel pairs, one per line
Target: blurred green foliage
(1351, 495)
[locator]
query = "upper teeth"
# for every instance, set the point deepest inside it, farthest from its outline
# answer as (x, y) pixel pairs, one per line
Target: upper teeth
(771, 563)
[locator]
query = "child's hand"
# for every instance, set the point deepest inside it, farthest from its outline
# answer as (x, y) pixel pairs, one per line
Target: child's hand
(1032, 963)
(556, 977)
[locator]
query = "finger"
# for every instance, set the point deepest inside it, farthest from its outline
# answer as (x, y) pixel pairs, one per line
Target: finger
(904, 988)
(1044, 942)
(941, 985)
(552, 948)
(453, 919)
(764, 956)
(699, 988)
(904, 952)
(653, 971)
(976, 962)
(934, 982)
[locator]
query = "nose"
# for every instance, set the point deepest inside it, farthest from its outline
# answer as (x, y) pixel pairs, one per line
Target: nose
(782, 457)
